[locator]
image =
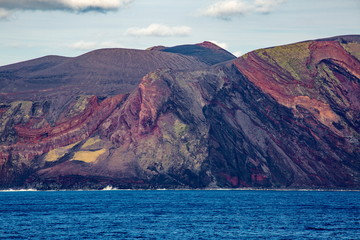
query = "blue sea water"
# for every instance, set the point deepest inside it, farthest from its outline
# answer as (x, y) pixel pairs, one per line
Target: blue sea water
(186, 214)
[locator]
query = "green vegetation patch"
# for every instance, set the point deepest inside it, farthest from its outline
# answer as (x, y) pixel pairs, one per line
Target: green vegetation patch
(353, 48)
(79, 106)
(180, 128)
(291, 57)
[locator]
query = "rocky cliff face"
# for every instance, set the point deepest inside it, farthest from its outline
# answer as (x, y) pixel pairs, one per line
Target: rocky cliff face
(284, 117)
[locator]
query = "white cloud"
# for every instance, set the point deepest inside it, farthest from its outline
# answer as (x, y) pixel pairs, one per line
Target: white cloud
(225, 46)
(83, 45)
(227, 9)
(89, 45)
(266, 6)
(220, 44)
(4, 14)
(65, 5)
(109, 44)
(103, 4)
(159, 30)
(237, 53)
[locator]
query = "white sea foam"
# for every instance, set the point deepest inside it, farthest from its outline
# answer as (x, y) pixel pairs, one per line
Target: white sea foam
(19, 190)
(109, 188)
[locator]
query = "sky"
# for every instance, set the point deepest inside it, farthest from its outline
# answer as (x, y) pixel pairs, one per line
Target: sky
(36, 28)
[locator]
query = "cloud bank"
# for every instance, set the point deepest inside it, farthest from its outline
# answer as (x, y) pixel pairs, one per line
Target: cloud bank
(227, 9)
(63, 5)
(159, 30)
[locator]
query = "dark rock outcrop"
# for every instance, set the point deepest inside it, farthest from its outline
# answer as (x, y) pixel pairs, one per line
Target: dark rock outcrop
(283, 117)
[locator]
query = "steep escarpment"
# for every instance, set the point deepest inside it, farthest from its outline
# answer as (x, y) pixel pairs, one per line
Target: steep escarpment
(270, 145)
(318, 83)
(284, 117)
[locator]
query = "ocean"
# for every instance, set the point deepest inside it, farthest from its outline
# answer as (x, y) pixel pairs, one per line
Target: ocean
(179, 214)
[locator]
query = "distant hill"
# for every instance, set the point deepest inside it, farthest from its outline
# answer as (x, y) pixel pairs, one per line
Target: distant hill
(206, 52)
(112, 71)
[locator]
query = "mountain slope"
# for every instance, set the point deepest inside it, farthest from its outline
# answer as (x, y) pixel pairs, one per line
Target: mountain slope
(113, 71)
(284, 117)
